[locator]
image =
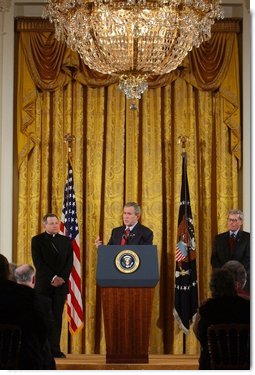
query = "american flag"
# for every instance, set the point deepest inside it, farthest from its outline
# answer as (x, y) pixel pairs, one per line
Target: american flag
(69, 227)
(186, 291)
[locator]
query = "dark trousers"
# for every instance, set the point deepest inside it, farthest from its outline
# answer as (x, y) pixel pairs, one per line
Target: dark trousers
(58, 303)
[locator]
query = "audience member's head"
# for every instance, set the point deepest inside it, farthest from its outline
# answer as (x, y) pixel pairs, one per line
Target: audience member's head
(25, 275)
(238, 272)
(4, 268)
(12, 267)
(222, 283)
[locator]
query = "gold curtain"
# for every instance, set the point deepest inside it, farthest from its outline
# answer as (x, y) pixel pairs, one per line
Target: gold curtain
(122, 155)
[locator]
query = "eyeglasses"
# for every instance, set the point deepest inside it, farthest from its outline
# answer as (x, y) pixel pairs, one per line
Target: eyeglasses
(232, 220)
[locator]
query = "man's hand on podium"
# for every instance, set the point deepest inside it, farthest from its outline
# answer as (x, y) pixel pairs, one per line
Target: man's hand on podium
(98, 242)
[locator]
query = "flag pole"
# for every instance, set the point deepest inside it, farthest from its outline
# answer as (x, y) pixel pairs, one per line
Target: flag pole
(68, 140)
(69, 227)
(183, 140)
(186, 296)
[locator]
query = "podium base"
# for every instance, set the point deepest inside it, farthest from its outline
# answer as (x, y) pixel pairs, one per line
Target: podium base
(127, 318)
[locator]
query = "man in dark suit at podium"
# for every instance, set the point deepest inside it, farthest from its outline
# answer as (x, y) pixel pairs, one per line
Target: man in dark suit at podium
(131, 232)
(52, 255)
(233, 245)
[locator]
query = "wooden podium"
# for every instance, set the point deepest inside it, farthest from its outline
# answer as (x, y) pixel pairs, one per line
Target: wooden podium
(127, 276)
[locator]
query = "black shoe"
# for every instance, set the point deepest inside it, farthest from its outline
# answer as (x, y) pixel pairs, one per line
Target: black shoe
(59, 355)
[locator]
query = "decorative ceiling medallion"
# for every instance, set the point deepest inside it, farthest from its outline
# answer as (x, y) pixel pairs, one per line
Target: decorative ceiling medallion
(127, 261)
(5, 5)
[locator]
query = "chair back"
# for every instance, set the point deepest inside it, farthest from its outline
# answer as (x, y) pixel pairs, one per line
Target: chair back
(10, 342)
(229, 346)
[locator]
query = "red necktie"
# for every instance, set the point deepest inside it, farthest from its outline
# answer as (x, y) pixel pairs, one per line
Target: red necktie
(231, 243)
(124, 238)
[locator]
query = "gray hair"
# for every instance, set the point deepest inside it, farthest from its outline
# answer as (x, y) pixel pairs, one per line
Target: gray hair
(237, 270)
(236, 212)
(24, 273)
(222, 283)
(136, 207)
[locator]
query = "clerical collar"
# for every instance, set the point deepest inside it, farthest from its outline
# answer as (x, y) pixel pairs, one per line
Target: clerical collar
(50, 234)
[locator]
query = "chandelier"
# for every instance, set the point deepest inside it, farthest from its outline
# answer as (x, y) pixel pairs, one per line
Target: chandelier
(133, 39)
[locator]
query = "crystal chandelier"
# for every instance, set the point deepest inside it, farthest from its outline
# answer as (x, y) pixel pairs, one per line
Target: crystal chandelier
(133, 39)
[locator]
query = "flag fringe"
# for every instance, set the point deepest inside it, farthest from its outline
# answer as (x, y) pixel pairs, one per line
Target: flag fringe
(179, 322)
(77, 330)
(70, 320)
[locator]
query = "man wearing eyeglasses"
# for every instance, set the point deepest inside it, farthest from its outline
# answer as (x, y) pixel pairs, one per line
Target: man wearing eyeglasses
(232, 245)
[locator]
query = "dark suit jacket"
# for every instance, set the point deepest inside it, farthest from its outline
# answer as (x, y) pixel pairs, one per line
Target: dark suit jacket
(226, 309)
(51, 256)
(43, 304)
(241, 251)
(140, 235)
(18, 306)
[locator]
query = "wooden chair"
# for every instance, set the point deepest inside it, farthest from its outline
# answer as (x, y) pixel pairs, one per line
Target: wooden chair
(10, 342)
(229, 346)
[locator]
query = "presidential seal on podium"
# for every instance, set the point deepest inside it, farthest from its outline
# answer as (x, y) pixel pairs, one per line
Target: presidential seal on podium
(127, 261)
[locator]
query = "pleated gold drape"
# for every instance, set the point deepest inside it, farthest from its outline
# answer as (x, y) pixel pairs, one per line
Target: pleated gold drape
(122, 155)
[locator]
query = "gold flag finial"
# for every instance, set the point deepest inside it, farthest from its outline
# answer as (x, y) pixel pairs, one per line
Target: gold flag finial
(183, 140)
(69, 139)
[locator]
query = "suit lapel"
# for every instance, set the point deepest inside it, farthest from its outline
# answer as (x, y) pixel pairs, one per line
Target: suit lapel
(225, 247)
(238, 247)
(134, 235)
(50, 246)
(120, 234)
